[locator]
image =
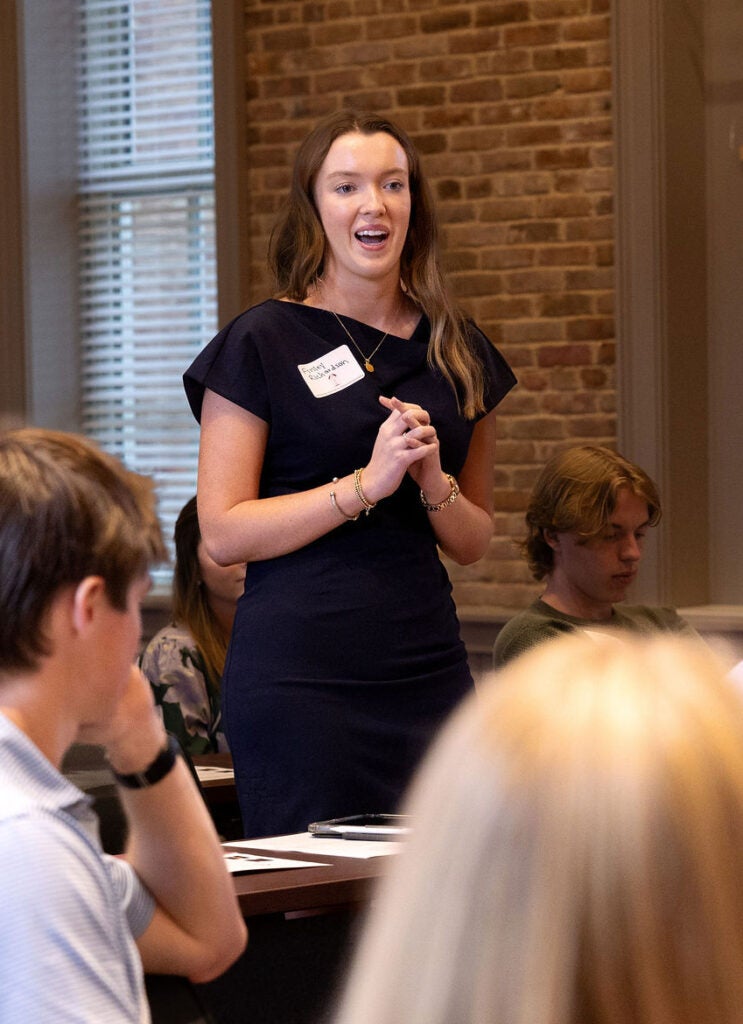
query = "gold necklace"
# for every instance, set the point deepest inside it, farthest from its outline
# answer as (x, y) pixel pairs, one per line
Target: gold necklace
(368, 366)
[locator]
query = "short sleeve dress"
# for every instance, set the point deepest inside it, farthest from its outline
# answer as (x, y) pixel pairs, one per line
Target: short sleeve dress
(345, 656)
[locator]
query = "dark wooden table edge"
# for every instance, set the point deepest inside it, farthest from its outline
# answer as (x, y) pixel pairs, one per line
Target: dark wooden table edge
(339, 882)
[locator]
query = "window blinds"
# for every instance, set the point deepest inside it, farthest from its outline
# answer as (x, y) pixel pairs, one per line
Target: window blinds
(147, 258)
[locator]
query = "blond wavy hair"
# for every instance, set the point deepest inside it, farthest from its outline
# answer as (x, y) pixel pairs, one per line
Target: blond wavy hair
(577, 854)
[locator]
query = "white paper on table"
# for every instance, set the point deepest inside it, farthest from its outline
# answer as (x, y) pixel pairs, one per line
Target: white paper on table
(306, 842)
(211, 772)
(238, 863)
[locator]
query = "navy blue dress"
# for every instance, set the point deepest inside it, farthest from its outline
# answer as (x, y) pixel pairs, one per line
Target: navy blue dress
(345, 656)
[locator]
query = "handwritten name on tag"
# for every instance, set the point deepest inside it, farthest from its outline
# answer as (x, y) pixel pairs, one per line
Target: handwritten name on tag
(332, 372)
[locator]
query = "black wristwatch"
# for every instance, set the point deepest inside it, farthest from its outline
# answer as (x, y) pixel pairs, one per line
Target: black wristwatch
(157, 770)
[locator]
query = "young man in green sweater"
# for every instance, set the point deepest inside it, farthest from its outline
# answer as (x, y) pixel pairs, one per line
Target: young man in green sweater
(587, 519)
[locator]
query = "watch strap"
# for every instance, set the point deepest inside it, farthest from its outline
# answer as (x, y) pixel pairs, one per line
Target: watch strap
(158, 769)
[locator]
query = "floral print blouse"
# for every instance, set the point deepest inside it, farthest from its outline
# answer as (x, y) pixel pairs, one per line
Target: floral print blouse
(186, 696)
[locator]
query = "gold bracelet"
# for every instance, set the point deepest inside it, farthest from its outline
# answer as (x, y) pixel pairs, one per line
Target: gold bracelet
(449, 500)
(338, 509)
(368, 505)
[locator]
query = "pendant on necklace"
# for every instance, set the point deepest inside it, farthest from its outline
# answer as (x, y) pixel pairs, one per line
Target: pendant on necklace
(368, 366)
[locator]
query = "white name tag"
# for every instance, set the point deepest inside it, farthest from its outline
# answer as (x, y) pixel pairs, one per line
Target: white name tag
(332, 372)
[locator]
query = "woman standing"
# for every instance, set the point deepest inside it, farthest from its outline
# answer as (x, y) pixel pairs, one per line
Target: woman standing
(347, 430)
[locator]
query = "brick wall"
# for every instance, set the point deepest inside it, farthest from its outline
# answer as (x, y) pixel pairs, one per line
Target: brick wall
(509, 101)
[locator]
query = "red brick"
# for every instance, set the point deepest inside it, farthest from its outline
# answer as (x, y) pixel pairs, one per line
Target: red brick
(564, 108)
(286, 39)
(421, 95)
(570, 403)
(502, 259)
(587, 279)
(479, 188)
(363, 53)
(508, 160)
(564, 256)
(568, 304)
(339, 81)
(562, 157)
(539, 427)
(595, 228)
(507, 62)
(419, 46)
(596, 130)
(554, 57)
(531, 34)
(447, 69)
(466, 285)
(533, 380)
(608, 401)
(522, 86)
(587, 28)
(535, 231)
(389, 28)
(533, 134)
(501, 13)
(502, 308)
(507, 209)
(591, 80)
(509, 102)
(564, 206)
(548, 10)
(523, 403)
(593, 377)
(518, 355)
(515, 452)
(446, 21)
(607, 354)
(470, 91)
(475, 42)
(431, 142)
(535, 281)
(564, 355)
(591, 329)
(592, 426)
(449, 116)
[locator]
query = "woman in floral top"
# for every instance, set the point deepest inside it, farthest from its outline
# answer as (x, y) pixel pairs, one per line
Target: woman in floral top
(184, 660)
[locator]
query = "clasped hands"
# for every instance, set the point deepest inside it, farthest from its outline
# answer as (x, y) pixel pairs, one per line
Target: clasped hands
(406, 443)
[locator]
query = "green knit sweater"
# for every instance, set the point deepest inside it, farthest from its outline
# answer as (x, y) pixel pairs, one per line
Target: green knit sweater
(540, 622)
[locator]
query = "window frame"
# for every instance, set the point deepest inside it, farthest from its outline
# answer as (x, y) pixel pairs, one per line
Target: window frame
(40, 357)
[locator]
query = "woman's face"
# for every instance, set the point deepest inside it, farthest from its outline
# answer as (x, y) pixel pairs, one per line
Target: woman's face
(362, 193)
(221, 582)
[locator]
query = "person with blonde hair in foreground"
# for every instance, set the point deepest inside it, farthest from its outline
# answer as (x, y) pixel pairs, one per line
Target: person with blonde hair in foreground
(577, 850)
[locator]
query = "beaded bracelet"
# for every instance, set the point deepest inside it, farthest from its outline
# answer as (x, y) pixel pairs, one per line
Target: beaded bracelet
(449, 500)
(338, 509)
(368, 505)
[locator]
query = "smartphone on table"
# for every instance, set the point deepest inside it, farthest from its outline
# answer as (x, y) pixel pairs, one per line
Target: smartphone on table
(388, 827)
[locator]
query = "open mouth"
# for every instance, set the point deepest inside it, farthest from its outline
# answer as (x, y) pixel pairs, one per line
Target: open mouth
(369, 236)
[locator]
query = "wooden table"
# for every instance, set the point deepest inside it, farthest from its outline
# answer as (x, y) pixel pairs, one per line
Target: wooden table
(302, 925)
(220, 795)
(345, 882)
